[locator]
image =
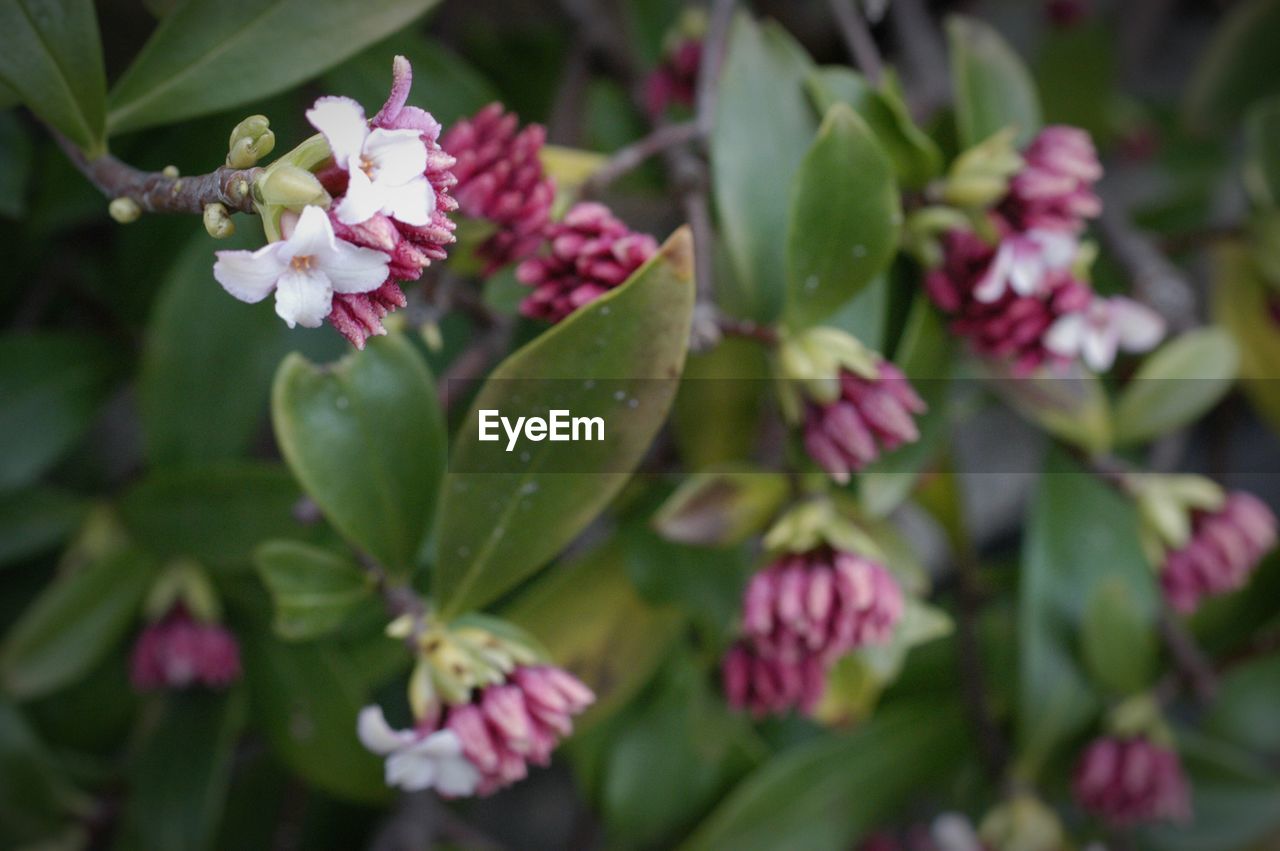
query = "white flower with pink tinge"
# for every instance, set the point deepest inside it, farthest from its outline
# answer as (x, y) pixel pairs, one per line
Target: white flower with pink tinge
(385, 167)
(418, 760)
(1023, 263)
(1105, 326)
(304, 269)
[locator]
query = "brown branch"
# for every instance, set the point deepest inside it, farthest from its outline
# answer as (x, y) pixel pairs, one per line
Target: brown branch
(627, 159)
(857, 37)
(747, 329)
(157, 192)
(1192, 663)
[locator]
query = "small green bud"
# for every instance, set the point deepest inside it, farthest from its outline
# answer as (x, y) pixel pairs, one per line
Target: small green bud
(284, 185)
(1140, 716)
(1023, 823)
(218, 222)
(423, 697)
(124, 210)
(170, 171)
(251, 140)
(980, 176)
(814, 523)
(184, 581)
(812, 361)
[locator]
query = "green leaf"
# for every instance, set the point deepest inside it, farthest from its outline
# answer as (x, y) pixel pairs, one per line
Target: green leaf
(762, 129)
(211, 55)
(1242, 305)
(1080, 533)
(36, 797)
(52, 386)
(826, 793)
(916, 157)
(723, 386)
(722, 508)
(192, 411)
(306, 697)
(215, 514)
(15, 166)
(993, 88)
(1244, 709)
(618, 358)
(1114, 620)
(589, 618)
(1177, 385)
(365, 437)
(179, 778)
(51, 57)
(314, 590)
(1237, 68)
(446, 84)
(36, 520)
(73, 624)
(845, 217)
(1262, 153)
(1072, 406)
(1076, 74)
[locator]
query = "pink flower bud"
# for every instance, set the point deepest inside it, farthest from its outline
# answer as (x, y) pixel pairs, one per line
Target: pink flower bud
(764, 685)
(591, 252)
(675, 80)
(178, 651)
(1054, 189)
(501, 180)
(1131, 781)
(1225, 548)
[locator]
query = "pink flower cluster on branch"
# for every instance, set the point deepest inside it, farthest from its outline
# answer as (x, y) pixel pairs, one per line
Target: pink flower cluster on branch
(178, 651)
(1225, 547)
(1128, 781)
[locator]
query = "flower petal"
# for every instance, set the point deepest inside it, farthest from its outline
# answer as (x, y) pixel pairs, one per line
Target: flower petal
(362, 201)
(992, 283)
(342, 122)
(376, 734)
(312, 235)
(352, 269)
(457, 778)
(442, 744)
(410, 202)
(397, 156)
(249, 275)
(1099, 348)
(1066, 335)
(410, 772)
(1139, 327)
(401, 82)
(303, 298)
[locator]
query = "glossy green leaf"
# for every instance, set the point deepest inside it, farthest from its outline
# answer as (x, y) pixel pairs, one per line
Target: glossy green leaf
(314, 590)
(179, 778)
(365, 437)
(1262, 154)
(723, 386)
(618, 358)
(1113, 619)
(191, 412)
(916, 157)
(721, 508)
(1177, 385)
(590, 619)
(993, 88)
(36, 795)
(52, 386)
(826, 793)
(845, 217)
(1244, 708)
(74, 623)
(761, 99)
(1076, 71)
(306, 698)
(1237, 68)
(1080, 533)
(36, 520)
(444, 83)
(51, 57)
(1072, 405)
(215, 514)
(1242, 305)
(210, 55)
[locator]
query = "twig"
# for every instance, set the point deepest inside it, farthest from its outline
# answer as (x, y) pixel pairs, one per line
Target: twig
(629, 158)
(1193, 665)
(156, 192)
(745, 328)
(857, 36)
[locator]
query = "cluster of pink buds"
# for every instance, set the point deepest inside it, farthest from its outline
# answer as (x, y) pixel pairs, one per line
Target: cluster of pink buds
(590, 252)
(178, 651)
(1128, 781)
(675, 80)
(816, 601)
(855, 404)
(1224, 549)
(387, 180)
(501, 180)
(1019, 298)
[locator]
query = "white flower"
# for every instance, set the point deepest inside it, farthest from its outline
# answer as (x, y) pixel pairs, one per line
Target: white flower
(305, 269)
(385, 166)
(1106, 325)
(417, 761)
(1023, 260)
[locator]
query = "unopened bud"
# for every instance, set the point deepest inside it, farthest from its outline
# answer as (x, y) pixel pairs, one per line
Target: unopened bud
(284, 185)
(124, 210)
(1022, 824)
(979, 177)
(218, 222)
(251, 140)
(170, 171)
